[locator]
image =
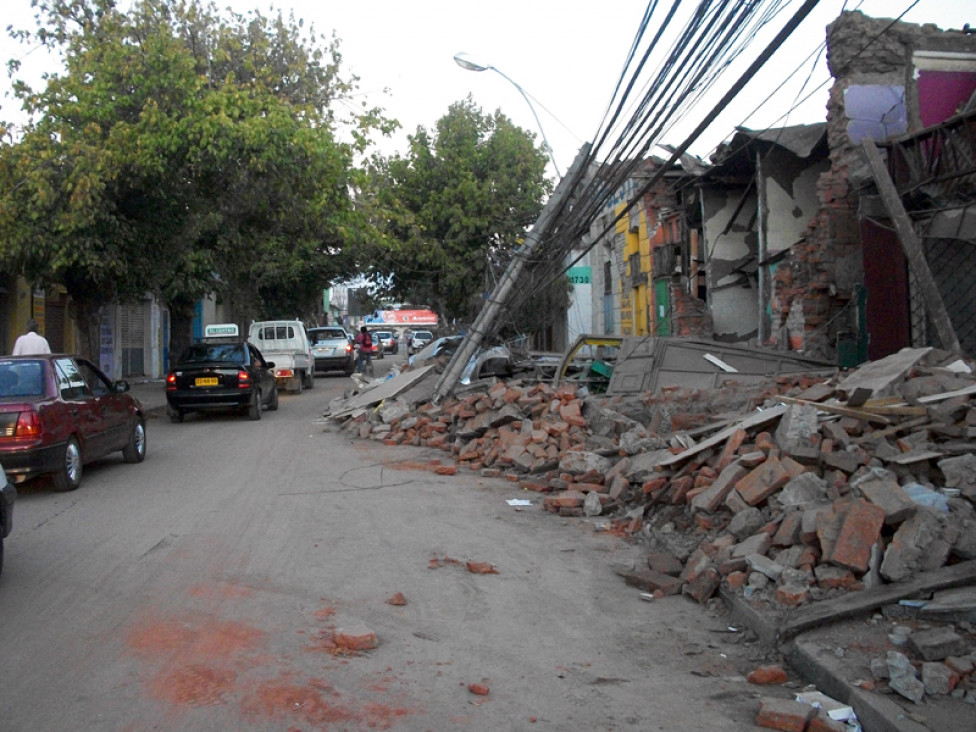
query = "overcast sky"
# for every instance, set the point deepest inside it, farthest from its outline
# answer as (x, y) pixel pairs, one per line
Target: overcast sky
(567, 56)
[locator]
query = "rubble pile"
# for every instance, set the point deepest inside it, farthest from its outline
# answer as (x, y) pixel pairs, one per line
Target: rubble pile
(813, 487)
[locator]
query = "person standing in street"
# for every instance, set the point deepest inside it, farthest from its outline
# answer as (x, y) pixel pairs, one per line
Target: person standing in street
(31, 342)
(364, 343)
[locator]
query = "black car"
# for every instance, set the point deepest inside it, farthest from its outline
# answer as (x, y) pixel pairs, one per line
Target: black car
(7, 496)
(221, 374)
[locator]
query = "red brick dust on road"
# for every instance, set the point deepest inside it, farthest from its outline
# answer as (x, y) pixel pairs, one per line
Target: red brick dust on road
(200, 660)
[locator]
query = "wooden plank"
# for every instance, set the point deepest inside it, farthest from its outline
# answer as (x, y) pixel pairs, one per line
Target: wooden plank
(753, 420)
(965, 391)
(894, 429)
(913, 248)
(915, 456)
(865, 601)
(898, 411)
(838, 409)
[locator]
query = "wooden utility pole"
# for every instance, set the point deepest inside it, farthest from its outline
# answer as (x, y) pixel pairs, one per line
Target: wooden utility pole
(913, 249)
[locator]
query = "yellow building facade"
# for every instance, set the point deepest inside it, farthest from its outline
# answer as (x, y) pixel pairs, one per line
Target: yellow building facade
(636, 294)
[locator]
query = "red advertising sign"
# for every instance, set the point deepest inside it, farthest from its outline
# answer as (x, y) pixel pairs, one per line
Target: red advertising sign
(406, 317)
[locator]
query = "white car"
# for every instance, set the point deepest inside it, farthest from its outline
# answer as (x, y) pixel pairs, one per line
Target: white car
(419, 339)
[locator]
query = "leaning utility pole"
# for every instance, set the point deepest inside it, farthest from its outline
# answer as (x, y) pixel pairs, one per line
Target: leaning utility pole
(484, 324)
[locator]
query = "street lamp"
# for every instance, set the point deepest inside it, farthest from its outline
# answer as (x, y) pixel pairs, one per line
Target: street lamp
(462, 60)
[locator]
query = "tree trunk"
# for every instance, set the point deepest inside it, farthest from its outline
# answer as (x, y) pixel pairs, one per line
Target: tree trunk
(88, 318)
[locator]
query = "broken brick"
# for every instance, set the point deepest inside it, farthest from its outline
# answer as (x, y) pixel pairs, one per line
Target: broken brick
(702, 587)
(861, 529)
(784, 714)
(762, 482)
(769, 674)
(354, 638)
(713, 496)
(651, 581)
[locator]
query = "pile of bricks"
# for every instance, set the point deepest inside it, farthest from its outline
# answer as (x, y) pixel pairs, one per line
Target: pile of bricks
(806, 499)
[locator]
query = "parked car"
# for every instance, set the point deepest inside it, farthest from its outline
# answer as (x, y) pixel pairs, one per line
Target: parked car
(8, 495)
(222, 372)
(60, 412)
(387, 341)
(419, 339)
(332, 349)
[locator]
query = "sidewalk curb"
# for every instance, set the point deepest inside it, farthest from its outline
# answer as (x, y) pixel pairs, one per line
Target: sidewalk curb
(827, 672)
(874, 711)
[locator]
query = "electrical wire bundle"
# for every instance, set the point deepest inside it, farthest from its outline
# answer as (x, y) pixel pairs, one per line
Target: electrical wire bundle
(658, 88)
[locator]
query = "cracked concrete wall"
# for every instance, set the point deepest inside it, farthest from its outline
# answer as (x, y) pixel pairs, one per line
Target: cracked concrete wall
(730, 260)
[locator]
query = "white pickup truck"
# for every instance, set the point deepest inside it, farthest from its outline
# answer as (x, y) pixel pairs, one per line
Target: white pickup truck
(286, 343)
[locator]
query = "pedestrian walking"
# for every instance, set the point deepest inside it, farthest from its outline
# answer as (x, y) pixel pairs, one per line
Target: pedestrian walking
(31, 342)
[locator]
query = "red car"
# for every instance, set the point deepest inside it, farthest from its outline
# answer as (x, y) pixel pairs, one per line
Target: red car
(60, 412)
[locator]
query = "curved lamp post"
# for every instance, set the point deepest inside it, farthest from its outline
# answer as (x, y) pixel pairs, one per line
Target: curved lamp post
(462, 60)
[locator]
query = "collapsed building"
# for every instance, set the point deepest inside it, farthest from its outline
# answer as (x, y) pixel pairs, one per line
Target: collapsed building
(784, 239)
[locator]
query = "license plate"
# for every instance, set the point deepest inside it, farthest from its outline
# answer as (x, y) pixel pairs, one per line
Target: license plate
(206, 381)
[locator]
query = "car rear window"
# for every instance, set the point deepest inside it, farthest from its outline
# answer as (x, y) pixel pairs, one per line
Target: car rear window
(276, 332)
(21, 378)
(423, 334)
(206, 352)
(320, 336)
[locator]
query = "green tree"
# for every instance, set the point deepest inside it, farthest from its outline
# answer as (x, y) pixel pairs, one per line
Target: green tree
(454, 207)
(183, 153)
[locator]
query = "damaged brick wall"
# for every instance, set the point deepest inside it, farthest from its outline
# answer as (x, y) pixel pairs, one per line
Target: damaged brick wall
(873, 95)
(689, 315)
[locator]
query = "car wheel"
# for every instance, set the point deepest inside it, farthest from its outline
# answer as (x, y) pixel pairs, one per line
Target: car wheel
(135, 450)
(175, 415)
(1, 555)
(273, 401)
(254, 411)
(68, 476)
(309, 380)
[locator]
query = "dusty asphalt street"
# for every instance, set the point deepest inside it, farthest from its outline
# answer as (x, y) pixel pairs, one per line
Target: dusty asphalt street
(201, 590)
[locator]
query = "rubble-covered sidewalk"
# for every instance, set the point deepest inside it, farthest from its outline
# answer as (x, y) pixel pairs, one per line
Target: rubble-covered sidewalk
(801, 500)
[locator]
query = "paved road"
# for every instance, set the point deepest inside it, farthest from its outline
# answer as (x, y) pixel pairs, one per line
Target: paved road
(202, 589)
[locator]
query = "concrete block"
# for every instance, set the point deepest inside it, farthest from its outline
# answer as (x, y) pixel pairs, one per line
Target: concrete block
(746, 523)
(803, 490)
(912, 543)
(890, 496)
(936, 644)
(938, 678)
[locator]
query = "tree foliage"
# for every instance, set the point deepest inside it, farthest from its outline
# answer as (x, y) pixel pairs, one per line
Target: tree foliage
(183, 153)
(454, 208)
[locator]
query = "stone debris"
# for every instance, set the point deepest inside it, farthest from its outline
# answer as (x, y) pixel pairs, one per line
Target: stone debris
(787, 492)
(844, 495)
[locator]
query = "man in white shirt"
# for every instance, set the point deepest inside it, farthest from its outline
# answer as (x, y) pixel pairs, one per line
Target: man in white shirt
(31, 342)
